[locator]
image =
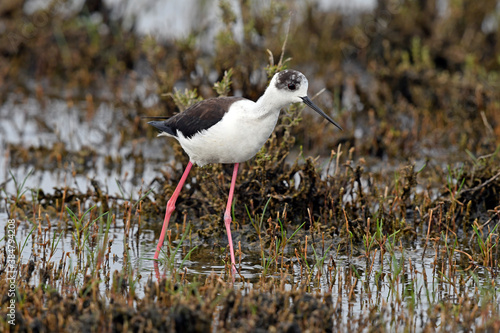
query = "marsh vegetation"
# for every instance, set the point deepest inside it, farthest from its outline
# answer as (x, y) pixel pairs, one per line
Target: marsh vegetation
(390, 225)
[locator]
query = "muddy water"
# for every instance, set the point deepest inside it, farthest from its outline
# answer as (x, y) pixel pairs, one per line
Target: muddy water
(376, 283)
(70, 145)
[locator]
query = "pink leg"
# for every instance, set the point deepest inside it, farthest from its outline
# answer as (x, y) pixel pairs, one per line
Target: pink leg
(227, 217)
(171, 208)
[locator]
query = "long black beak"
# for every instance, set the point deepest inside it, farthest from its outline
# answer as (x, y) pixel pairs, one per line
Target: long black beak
(318, 110)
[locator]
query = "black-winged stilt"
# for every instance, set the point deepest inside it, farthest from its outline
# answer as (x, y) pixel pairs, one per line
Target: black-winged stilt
(231, 130)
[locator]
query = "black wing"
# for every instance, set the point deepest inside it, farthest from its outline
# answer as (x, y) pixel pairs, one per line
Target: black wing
(196, 118)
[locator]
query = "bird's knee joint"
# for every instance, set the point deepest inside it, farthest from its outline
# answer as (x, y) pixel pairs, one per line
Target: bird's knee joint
(170, 206)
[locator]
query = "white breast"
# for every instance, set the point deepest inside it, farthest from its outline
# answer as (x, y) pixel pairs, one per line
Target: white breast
(236, 138)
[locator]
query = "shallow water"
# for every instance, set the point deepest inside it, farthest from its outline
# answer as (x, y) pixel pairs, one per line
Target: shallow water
(28, 122)
(407, 275)
(85, 145)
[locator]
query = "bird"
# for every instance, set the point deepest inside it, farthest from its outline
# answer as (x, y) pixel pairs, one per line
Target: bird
(231, 130)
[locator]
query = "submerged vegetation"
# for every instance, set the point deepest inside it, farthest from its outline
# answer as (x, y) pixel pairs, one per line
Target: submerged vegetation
(390, 225)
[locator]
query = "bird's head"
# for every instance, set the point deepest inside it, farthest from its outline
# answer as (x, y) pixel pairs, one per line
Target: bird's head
(292, 86)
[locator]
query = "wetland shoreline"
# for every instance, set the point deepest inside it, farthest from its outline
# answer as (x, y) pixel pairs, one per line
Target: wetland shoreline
(391, 225)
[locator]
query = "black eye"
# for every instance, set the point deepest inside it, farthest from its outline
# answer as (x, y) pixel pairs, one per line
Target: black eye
(291, 86)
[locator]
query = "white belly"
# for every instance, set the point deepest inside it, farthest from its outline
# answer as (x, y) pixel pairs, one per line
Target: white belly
(235, 139)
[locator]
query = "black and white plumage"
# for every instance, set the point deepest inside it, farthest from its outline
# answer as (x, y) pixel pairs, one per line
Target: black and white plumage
(200, 116)
(233, 129)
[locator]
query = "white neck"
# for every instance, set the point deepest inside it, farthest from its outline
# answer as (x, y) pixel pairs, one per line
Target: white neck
(270, 103)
